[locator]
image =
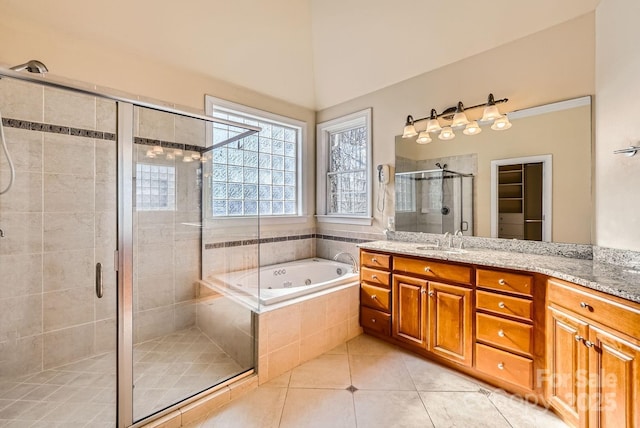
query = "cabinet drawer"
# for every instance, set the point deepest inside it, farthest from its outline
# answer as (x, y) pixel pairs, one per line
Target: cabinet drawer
(375, 321)
(511, 335)
(375, 260)
(505, 281)
(375, 276)
(505, 366)
(506, 305)
(625, 318)
(375, 297)
(433, 269)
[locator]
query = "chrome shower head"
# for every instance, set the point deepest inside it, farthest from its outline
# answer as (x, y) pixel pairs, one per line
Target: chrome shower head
(33, 66)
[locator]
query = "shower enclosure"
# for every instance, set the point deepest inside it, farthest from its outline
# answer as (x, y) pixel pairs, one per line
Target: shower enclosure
(434, 201)
(102, 318)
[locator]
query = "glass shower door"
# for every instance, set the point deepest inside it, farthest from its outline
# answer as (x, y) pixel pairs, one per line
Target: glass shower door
(58, 221)
(177, 324)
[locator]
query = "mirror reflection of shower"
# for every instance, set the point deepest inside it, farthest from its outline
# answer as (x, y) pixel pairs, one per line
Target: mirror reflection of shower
(435, 200)
(32, 66)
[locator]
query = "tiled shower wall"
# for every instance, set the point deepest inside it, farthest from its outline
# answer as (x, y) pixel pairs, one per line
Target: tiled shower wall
(59, 220)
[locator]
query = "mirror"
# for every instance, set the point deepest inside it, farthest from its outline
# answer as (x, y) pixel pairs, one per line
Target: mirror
(560, 132)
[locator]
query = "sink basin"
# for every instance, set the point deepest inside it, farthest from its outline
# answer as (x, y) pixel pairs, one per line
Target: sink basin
(440, 249)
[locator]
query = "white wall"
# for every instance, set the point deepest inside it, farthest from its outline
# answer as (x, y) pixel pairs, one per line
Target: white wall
(617, 124)
(552, 65)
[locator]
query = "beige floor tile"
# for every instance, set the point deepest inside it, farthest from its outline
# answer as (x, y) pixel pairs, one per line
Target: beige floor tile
(429, 376)
(385, 372)
(281, 381)
(318, 408)
(522, 414)
(390, 409)
(326, 371)
(368, 345)
(340, 349)
(259, 408)
(462, 409)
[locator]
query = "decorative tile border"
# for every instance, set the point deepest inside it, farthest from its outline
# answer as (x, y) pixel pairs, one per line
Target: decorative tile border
(228, 244)
(90, 133)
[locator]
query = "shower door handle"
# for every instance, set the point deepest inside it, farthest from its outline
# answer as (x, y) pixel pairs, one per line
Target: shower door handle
(99, 287)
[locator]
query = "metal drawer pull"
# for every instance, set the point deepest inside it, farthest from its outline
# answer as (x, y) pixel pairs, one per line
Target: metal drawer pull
(374, 276)
(374, 260)
(579, 338)
(501, 305)
(373, 320)
(373, 296)
(500, 333)
(99, 285)
(431, 293)
(584, 305)
(422, 291)
(427, 269)
(501, 366)
(501, 281)
(588, 344)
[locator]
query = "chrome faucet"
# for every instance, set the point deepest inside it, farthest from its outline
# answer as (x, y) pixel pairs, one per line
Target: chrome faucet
(448, 238)
(354, 263)
(459, 233)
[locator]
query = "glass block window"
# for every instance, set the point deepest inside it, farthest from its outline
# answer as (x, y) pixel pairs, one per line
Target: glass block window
(405, 193)
(257, 175)
(347, 175)
(155, 187)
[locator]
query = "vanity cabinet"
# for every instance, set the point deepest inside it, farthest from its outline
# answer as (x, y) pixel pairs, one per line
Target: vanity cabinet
(433, 315)
(593, 357)
(504, 326)
(375, 292)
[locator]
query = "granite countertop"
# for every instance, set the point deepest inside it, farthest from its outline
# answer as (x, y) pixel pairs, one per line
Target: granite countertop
(607, 278)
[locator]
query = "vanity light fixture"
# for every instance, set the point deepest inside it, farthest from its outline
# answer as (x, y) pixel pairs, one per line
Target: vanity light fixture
(456, 118)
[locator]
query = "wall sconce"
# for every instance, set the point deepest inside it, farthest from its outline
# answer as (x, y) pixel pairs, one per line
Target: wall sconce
(458, 119)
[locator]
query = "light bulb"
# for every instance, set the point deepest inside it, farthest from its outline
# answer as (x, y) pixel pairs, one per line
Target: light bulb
(447, 133)
(409, 131)
(472, 128)
(501, 124)
(177, 152)
(433, 125)
(195, 156)
(170, 156)
(424, 138)
(150, 154)
(158, 150)
(491, 112)
(187, 159)
(459, 119)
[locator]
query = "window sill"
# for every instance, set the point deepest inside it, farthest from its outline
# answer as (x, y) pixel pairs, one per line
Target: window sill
(263, 220)
(362, 221)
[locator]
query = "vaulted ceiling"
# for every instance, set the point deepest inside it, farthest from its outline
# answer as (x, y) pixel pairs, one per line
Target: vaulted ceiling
(314, 53)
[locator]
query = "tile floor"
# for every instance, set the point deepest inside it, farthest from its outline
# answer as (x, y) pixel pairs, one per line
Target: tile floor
(83, 394)
(369, 383)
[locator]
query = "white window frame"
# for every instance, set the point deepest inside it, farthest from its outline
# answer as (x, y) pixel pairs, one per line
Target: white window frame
(323, 131)
(213, 103)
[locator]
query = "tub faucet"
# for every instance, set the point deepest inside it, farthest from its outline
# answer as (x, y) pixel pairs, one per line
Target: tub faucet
(354, 263)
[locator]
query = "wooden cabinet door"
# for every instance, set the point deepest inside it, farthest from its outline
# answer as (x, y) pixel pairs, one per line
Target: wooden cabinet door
(410, 310)
(614, 368)
(450, 321)
(567, 366)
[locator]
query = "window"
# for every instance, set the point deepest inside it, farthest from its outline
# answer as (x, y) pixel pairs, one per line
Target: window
(259, 174)
(155, 187)
(344, 169)
(405, 193)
